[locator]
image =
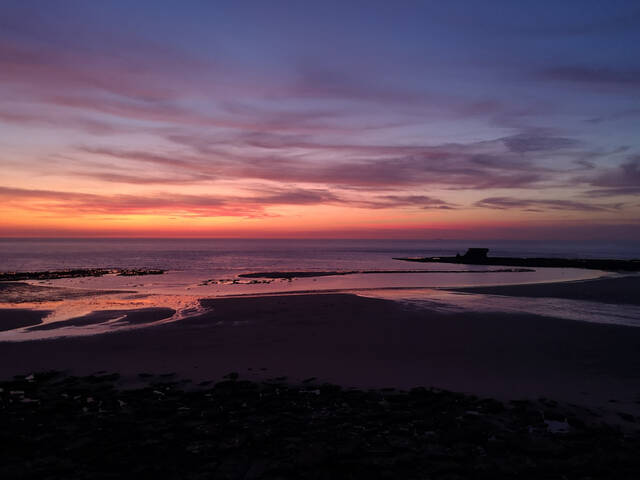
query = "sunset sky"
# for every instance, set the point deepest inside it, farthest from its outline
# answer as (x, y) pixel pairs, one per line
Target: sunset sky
(320, 119)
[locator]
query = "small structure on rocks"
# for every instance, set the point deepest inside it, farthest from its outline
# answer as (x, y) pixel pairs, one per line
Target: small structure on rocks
(476, 254)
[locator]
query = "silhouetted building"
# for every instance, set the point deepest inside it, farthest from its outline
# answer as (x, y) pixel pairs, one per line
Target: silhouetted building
(476, 254)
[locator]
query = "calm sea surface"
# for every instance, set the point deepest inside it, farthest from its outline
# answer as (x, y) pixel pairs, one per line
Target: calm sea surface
(199, 268)
(234, 256)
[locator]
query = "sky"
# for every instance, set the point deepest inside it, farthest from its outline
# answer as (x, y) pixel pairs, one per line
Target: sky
(349, 119)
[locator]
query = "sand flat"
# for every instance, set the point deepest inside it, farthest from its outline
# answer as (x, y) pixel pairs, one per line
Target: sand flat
(133, 316)
(364, 342)
(608, 290)
(11, 318)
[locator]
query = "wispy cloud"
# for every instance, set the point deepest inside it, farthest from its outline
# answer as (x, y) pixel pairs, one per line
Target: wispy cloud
(622, 180)
(450, 166)
(168, 203)
(505, 203)
(606, 25)
(360, 110)
(508, 162)
(531, 142)
(594, 77)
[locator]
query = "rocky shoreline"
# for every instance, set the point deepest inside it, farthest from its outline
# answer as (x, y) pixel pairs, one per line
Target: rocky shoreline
(77, 273)
(59, 426)
(591, 264)
(329, 273)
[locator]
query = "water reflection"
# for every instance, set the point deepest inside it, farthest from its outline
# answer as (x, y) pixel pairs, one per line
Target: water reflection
(457, 302)
(197, 283)
(75, 298)
(63, 310)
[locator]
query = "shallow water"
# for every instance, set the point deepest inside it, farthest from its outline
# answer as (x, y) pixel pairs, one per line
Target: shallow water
(184, 305)
(416, 289)
(220, 257)
(457, 302)
(209, 268)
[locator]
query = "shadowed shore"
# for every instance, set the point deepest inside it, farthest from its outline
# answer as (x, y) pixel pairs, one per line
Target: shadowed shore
(300, 274)
(543, 397)
(11, 318)
(607, 290)
(612, 265)
(479, 256)
(55, 426)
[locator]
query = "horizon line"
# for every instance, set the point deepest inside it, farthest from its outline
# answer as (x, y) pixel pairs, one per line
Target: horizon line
(479, 239)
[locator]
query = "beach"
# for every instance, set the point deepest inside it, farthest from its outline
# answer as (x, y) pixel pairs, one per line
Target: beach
(319, 240)
(322, 385)
(363, 342)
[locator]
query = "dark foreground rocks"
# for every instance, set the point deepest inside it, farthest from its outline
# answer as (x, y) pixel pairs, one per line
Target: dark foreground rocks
(56, 426)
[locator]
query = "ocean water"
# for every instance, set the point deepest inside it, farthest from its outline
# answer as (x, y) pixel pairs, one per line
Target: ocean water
(222, 256)
(205, 268)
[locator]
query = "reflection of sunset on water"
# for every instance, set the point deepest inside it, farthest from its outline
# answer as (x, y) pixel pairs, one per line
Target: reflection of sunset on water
(78, 299)
(63, 310)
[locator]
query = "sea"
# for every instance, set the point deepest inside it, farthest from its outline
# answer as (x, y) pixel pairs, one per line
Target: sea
(206, 268)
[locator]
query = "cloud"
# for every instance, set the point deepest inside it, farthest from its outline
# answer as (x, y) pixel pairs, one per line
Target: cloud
(307, 128)
(121, 204)
(422, 202)
(620, 115)
(614, 192)
(127, 79)
(594, 77)
(44, 68)
(509, 162)
(25, 116)
(504, 162)
(621, 180)
(143, 178)
(535, 205)
(451, 166)
(167, 203)
(134, 80)
(625, 175)
(323, 83)
(602, 26)
(525, 142)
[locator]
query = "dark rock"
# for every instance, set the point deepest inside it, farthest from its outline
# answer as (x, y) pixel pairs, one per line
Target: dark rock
(85, 427)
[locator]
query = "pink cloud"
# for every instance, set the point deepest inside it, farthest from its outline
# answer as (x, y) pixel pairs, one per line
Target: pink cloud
(164, 203)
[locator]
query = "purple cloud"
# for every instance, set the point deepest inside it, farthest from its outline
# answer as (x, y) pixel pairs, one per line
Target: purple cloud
(525, 142)
(534, 205)
(617, 181)
(164, 203)
(450, 166)
(594, 77)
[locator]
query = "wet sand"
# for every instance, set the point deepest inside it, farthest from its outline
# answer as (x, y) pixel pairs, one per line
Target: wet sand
(21, 292)
(332, 273)
(133, 317)
(11, 318)
(364, 342)
(608, 290)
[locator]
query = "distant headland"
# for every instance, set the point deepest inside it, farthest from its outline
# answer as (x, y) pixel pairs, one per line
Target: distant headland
(479, 256)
